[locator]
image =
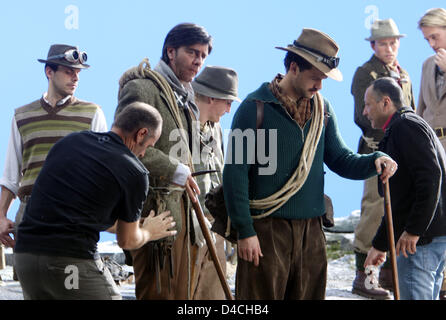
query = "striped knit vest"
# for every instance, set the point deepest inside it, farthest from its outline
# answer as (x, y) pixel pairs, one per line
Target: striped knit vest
(41, 126)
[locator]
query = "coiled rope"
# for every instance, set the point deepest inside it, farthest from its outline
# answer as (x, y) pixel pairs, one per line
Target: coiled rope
(297, 180)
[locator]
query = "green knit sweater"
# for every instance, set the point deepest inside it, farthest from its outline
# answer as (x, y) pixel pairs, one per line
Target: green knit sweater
(242, 181)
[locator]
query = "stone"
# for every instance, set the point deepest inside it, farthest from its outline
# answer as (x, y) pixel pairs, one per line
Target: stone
(345, 224)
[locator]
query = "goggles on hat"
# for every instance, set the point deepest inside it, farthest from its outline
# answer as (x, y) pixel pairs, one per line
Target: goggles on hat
(331, 62)
(72, 55)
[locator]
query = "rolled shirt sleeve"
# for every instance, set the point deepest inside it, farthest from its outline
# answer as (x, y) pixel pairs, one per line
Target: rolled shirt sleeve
(99, 124)
(13, 163)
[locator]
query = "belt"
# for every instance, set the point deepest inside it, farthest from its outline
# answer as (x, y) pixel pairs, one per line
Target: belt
(440, 132)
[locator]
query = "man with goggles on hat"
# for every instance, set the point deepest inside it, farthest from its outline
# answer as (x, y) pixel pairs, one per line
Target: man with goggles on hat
(37, 126)
(385, 42)
(72, 56)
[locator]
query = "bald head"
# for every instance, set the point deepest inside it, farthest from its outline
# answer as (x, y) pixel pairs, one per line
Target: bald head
(388, 87)
(138, 115)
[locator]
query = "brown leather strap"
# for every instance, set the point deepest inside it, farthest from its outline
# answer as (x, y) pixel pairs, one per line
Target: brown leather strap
(260, 107)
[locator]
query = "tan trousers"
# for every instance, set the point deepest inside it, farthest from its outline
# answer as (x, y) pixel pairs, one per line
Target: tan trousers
(208, 285)
(372, 211)
(145, 276)
(204, 283)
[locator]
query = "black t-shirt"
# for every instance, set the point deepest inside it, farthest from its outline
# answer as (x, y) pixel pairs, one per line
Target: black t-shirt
(88, 181)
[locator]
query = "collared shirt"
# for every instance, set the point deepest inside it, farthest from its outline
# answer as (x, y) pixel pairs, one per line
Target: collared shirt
(58, 103)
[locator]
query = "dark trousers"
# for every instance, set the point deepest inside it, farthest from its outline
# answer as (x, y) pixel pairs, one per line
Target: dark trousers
(62, 278)
(294, 263)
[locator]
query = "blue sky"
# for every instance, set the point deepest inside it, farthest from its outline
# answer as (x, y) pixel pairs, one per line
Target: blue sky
(118, 35)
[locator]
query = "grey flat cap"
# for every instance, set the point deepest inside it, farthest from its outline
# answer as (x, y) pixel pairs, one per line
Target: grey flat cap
(217, 82)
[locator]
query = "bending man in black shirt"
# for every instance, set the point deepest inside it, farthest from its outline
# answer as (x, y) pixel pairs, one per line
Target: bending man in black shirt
(89, 182)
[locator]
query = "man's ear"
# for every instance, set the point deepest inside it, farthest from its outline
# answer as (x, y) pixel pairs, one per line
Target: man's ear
(294, 68)
(49, 72)
(386, 102)
(171, 51)
(141, 135)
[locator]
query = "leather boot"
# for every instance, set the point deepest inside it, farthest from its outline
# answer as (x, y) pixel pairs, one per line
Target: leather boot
(360, 289)
(442, 295)
(386, 279)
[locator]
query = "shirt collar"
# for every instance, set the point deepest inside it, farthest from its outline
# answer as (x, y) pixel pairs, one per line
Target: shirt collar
(387, 122)
(59, 103)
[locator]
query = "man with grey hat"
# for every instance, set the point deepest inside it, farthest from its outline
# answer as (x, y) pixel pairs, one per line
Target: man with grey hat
(278, 216)
(384, 41)
(215, 89)
(37, 126)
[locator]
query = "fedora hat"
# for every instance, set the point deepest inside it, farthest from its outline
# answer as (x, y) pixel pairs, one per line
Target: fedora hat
(318, 49)
(66, 55)
(382, 29)
(217, 82)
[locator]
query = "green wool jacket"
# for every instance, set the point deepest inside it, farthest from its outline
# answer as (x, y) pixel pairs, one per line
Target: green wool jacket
(363, 78)
(242, 181)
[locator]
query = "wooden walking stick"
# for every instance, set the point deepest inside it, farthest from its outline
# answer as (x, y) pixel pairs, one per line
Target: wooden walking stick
(2, 258)
(212, 250)
(391, 240)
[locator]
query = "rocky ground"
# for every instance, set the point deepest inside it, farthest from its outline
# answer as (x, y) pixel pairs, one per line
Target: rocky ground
(340, 276)
(340, 273)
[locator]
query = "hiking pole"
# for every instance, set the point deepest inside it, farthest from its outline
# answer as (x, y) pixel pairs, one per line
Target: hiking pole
(391, 239)
(212, 250)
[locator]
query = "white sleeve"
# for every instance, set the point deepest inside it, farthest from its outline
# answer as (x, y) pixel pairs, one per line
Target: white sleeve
(181, 174)
(99, 124)
(13, 164)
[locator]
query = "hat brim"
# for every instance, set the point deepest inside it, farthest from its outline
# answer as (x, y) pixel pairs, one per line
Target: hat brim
(65, 64)
(212, 93)
(334, 74)
(385, 37)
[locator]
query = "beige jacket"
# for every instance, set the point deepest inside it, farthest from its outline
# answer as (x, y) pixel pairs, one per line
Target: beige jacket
(431, 107)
